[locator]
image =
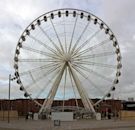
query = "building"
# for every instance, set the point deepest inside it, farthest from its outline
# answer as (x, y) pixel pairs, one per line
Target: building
(26, 105)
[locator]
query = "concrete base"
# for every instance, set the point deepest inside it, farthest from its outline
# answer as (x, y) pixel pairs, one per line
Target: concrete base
(98, 116)
(35, 116)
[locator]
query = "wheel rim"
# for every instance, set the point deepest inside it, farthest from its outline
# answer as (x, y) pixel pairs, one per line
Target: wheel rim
(75, 41)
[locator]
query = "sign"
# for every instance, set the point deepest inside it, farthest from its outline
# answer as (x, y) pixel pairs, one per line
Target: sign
(62, 116)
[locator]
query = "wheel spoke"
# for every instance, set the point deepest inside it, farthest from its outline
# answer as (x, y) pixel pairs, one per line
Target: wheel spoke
(46, 46)
(86, 42)
(73, 89)
(84, 62)
(93, 72)
(43, 76)
(65, 81)
(40, 52)
(92, 48)
(84, 95)
(78, 40)
(38, 60)
(87, 78)
(72, 34)
(47, 83)
(104, 54)
(57, 36)
(39, 68)
(50, 97)
(53, 43)
(65, 37)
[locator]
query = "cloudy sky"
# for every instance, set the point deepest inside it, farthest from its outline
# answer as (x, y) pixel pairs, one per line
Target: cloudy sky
(16, 15)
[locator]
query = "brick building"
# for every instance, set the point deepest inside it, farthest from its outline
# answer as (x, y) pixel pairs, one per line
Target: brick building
(25, 105)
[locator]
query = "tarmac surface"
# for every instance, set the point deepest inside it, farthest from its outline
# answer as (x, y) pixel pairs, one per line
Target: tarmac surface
(21, 124)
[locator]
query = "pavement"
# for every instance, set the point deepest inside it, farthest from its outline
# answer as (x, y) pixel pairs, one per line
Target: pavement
(21, 124)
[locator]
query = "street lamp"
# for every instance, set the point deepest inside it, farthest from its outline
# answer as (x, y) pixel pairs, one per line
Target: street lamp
(9, 107)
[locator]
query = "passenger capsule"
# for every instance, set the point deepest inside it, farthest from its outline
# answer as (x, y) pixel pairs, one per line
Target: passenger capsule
(111, 37)
(38, 22)
(115, 44)
(116, 81)
(107, 31)
(108, 95)
(15, 66)
(52, 16)
(95, 21)
(67, 13)
(16, 59)
(101, 26)
(88, 18)
(45, 18)
(117, 51)
(81, 15)
(21, 88)
(32, 26)
(118, 73)
(119, 65)
(16, 74)
(59, 14)
(74, 13)
(27, 32)
(18, 81)
(113, 88)
(23, 38)
(26, 94)
(20, 44)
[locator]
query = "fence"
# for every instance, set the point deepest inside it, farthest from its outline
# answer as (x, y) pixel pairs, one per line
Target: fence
(127, 115)
(4, 115)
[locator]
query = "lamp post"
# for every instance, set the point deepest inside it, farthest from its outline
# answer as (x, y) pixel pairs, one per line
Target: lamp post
(9, 103)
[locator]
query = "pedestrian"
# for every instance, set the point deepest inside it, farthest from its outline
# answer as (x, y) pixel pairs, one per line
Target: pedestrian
(26, 117)
(109, 113)
(32, 115)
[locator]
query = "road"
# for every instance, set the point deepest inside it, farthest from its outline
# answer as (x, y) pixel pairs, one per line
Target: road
(21, 124)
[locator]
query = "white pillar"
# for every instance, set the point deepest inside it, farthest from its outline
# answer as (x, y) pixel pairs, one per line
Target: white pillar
(48, 102)
(84, 96)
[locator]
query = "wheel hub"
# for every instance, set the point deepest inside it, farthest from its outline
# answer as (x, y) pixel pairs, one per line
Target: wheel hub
(67, 57)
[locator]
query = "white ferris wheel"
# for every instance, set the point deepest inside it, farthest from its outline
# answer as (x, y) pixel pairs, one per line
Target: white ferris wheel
(64, 54)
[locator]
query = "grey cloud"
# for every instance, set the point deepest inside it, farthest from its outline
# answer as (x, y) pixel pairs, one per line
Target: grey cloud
(119, 15)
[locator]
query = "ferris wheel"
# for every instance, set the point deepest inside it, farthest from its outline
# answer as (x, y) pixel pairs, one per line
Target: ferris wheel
(64, 54)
